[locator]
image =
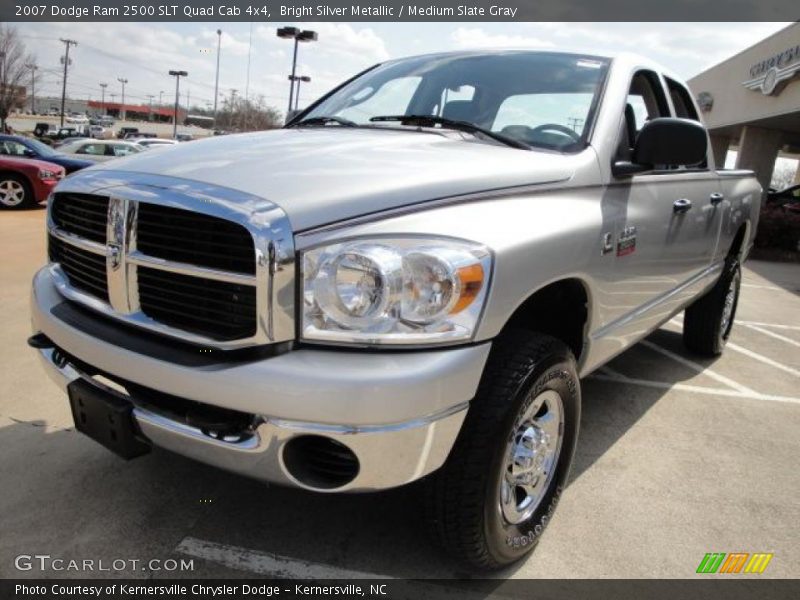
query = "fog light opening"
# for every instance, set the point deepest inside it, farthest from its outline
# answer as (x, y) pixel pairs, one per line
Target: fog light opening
(320, 462)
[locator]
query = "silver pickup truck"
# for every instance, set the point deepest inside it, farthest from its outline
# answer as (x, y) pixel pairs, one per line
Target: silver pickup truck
(406, 282)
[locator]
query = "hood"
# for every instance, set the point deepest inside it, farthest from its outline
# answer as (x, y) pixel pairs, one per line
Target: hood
(27, 164)
(322, 175)
(68, 161)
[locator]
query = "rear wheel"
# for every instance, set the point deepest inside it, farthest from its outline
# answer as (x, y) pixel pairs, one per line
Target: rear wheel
(15, 192)
(495, 495)
(708, 322)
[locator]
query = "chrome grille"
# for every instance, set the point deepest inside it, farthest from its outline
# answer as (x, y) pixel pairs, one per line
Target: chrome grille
(202, 273)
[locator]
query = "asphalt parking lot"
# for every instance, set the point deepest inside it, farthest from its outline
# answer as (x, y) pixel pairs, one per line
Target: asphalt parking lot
(677, 457)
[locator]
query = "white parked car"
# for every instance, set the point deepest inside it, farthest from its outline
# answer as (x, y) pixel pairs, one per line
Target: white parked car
(149, 143)
(100, 150)
(77, 119)
(97, 131)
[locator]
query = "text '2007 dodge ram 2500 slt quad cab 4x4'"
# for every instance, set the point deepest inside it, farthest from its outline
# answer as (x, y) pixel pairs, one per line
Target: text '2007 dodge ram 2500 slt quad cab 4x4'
(407, 281)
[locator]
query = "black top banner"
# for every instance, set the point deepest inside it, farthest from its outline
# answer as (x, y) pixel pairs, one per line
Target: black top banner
(398, 10)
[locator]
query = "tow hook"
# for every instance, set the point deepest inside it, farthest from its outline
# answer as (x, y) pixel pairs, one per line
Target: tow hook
(40, 341)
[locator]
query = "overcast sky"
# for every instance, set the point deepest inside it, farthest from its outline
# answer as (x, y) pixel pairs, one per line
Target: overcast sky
(144, 52)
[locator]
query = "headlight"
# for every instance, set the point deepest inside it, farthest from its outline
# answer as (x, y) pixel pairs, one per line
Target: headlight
(47, 174)
(394, 291)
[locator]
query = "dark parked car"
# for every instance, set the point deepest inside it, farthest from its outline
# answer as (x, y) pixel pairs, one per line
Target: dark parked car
(124, 131)
(21, 147)
(26, 182)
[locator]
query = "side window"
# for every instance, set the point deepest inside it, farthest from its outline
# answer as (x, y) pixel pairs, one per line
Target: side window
(122, 150)
(682, 101)
(95, 149)
(12, 148)
(646, 101)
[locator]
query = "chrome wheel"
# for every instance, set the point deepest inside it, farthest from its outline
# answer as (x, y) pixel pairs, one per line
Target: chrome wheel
(728, 306)
(531, 456)
(12, 193)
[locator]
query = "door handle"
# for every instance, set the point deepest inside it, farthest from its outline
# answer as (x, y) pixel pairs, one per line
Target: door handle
(681, 205)
(716, 198)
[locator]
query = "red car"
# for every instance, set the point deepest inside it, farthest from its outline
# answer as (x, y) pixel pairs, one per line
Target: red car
(26, 182)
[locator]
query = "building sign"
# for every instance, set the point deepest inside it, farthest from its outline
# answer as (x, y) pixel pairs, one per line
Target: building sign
(770, 76)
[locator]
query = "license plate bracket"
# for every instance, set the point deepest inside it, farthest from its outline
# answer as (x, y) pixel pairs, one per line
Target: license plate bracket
(107, 418)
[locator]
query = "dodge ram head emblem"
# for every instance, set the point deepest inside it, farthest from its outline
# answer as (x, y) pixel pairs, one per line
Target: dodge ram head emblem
(114, 254)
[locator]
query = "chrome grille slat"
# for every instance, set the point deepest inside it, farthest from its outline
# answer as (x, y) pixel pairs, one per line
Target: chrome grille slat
(220, 320)
(85, 270)
(195, 239)
(63, 215)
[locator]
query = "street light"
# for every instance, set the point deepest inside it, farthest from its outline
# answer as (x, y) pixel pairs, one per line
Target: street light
(103, 87)
(122, 108)
(293, 33)
(177, 75)
(298, 79)
(216, 79)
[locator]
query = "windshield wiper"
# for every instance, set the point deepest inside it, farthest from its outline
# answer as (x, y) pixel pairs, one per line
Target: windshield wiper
(311, 121)
(432, 120)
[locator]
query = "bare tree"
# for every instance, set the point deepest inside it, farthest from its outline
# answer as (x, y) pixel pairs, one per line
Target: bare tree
(16, 74)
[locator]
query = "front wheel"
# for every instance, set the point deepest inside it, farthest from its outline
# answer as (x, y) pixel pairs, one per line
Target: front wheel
(495, 495)
(15, 192)
(707, 323)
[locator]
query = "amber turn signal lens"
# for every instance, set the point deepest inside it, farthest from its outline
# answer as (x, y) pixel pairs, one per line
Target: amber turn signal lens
(471, 282)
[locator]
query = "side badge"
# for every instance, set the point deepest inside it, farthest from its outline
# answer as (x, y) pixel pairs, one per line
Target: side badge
(608, 244)
(626, 244)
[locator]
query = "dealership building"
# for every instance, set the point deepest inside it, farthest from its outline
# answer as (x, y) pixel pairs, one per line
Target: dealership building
(751, 104)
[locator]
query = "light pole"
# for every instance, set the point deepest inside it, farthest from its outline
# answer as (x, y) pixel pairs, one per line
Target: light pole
(177, 75)
(298, 79)
(2, 85)
(150, 114)
(293, 33)
(122, 109)
(103, 87)
(65, 58)
(216, 79)
(160, 96)
(32, 67)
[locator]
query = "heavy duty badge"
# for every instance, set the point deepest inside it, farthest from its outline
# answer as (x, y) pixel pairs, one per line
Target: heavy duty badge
(626, 244)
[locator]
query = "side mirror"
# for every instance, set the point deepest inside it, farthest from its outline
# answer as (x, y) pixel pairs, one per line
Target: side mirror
(28, 152)
(665, 141)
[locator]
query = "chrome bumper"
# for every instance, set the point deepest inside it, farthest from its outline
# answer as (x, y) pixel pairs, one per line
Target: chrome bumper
(398, 413)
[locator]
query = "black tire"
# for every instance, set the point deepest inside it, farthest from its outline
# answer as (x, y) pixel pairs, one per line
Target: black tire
(464, 506)
(9, 182)
(706, 327)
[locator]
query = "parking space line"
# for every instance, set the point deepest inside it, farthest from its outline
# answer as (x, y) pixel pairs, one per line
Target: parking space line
(764, 287)
(700, 368)
(263, 563)
(770, 325)
(695, 389)
(772, 334)
(763, 359)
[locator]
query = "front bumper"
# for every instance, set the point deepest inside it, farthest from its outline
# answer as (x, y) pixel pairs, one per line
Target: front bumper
(399, 413)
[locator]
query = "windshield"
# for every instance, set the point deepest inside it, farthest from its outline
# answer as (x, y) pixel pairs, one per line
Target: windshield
(40, 148)
(542, 99)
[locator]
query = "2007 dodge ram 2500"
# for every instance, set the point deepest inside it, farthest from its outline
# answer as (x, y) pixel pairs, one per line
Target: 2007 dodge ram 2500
(407, 281)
